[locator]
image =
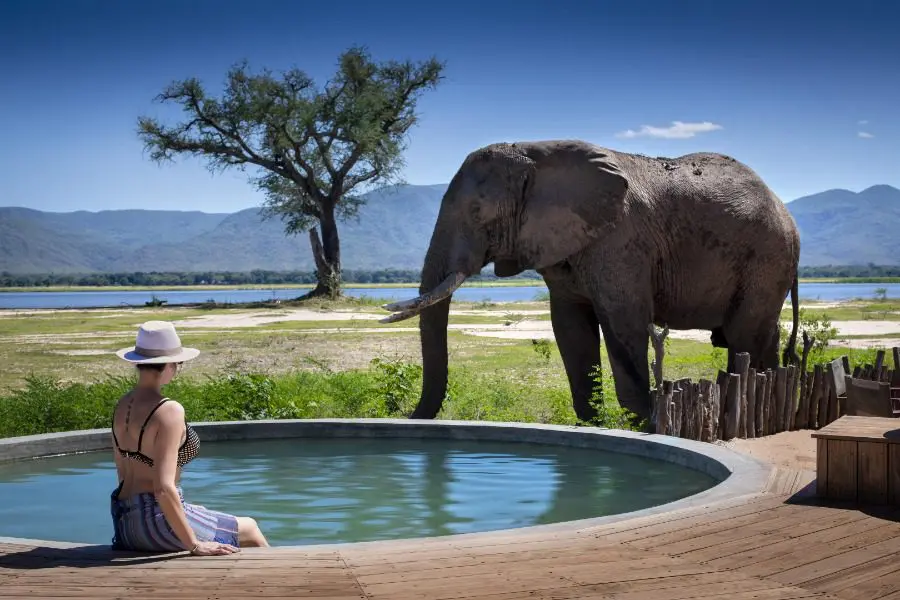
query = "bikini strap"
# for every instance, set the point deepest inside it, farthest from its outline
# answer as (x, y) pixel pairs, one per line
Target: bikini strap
(147, 420)
(113, 428)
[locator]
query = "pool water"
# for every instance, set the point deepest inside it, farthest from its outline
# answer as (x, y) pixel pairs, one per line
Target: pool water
(305, 491)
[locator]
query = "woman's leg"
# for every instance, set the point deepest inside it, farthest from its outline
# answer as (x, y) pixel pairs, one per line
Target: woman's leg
(249, 534)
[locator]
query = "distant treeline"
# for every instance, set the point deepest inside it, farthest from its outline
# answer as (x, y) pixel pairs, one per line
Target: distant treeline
(258, 277)
(851, 271)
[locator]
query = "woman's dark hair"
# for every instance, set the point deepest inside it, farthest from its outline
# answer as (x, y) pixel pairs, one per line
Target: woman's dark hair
(158, 367)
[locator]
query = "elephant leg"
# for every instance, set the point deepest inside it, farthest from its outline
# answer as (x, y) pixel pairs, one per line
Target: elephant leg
(627, 340)
(748, 331)
(577, 333)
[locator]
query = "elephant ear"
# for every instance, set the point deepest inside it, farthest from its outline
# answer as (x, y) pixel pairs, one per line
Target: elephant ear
(574, 195)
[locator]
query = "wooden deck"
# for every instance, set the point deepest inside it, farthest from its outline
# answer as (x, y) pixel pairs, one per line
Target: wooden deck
(783, 544)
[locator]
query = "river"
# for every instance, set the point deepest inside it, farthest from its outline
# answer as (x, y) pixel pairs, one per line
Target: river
(827, 292)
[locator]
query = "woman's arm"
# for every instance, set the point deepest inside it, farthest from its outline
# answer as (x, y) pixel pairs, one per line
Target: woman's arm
(168, 437)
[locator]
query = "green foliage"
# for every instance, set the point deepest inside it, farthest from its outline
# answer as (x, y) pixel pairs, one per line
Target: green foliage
(818, 327)
(543, 348)
(397, 384)
(609, 414)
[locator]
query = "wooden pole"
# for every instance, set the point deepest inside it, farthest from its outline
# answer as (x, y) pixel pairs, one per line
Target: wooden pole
(780, 392)
(763, 387)
(751, 403)
(879, 365)
(814, 397)
(824, 396)
(687, 409)
(803, 409)
(733, 410)
(790, 398)
(709, 391)
(698, 411)
(722, 380)
(664, 408)
(658, 339)
(742, 368)
(770, 390)
(676, 412)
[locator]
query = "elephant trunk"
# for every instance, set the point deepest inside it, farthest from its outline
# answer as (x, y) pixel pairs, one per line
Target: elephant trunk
(433, 321)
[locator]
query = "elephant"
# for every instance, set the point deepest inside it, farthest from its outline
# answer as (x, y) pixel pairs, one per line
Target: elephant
(622, 241)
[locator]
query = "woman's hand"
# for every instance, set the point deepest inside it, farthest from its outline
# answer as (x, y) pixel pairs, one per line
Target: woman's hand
(213, 549)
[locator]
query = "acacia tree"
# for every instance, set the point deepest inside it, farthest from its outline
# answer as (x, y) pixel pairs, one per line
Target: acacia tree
(313, 151)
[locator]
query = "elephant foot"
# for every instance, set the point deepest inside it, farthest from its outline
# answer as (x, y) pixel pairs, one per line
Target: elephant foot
(421, 412)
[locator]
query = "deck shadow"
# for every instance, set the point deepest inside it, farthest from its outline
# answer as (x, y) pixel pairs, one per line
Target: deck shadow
(806, 496)
(80, 557)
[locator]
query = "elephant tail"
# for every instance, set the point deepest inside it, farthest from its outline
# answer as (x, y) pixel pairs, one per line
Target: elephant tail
(790, 356)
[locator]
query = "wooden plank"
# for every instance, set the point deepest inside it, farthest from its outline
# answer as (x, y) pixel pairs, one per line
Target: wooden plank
(804, 555)
(873, 579)
(851, 427)
(786, 546)
(842, 471)
(822, 467)
(753, 547)
(791, 531)
(869, 549)
(872, 472)
(894, 474)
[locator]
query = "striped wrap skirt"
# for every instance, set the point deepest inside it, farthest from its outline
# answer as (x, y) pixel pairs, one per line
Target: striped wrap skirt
(140, 525)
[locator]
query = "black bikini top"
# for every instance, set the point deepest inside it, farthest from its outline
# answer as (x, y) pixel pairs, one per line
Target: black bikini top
(186, 452)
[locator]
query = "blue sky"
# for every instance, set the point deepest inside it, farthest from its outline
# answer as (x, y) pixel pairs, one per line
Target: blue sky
(804, 92)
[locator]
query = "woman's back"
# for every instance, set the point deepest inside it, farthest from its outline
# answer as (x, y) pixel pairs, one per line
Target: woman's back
(135, 427)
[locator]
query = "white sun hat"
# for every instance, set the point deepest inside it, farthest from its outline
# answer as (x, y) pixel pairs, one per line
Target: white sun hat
(157, 342)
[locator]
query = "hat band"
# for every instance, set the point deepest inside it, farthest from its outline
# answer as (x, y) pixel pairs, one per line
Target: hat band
(151, 353)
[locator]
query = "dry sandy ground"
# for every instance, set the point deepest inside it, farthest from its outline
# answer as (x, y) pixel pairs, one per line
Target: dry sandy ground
(518, 325)
(522, 329)
(791, 449)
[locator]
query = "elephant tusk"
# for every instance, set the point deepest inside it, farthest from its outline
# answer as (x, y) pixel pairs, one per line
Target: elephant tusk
(443, 290)
(400, 316)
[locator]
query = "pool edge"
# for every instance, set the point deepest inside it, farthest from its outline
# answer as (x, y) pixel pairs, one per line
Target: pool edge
(738, 474)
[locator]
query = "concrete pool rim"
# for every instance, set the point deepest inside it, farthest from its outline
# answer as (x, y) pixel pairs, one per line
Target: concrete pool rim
(738, 475)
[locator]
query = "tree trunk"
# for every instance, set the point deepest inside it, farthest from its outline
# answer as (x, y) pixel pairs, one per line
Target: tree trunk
(327, 254)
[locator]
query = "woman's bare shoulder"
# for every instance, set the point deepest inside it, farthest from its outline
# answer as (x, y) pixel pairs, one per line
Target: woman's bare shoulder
(171, 409)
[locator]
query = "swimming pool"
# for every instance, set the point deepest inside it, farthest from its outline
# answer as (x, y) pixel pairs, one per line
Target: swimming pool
(313, 490)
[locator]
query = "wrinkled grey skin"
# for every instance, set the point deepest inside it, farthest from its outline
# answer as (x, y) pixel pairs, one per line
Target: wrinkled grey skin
(622, 240)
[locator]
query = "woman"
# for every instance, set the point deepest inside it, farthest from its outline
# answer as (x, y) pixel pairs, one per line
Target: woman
(152, 441)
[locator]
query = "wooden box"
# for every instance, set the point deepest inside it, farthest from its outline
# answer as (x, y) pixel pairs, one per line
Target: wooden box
(858, 459)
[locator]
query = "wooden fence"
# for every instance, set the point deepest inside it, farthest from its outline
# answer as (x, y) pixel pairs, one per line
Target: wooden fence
(750, 404)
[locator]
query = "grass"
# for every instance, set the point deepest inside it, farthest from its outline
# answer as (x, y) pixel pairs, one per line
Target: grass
(60, 372)
(853, 311)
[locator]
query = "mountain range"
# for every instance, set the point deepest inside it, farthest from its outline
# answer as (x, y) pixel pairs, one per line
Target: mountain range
(393, 228)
